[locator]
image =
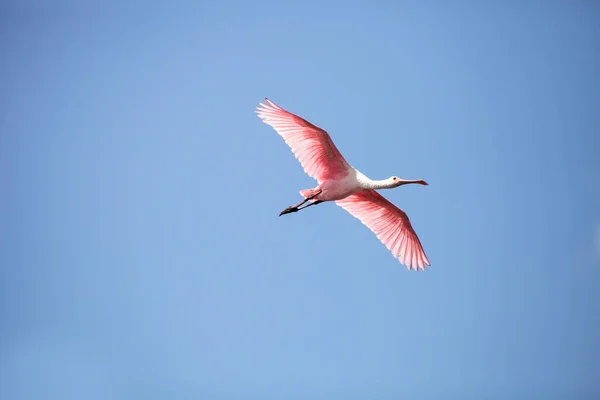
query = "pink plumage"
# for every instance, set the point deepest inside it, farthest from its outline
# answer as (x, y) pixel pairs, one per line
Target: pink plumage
(311, 145)
(389, 223)
(344, 184)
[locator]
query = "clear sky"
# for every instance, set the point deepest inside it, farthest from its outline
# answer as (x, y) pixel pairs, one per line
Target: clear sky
(141, 252)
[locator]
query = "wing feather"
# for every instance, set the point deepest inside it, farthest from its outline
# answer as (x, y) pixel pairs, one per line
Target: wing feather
(311, 145)
(390, 224)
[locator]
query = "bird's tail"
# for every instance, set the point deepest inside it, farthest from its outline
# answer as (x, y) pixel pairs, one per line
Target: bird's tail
(309, 192)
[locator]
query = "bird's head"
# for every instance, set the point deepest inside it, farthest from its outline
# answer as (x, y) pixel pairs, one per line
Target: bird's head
(395, 181)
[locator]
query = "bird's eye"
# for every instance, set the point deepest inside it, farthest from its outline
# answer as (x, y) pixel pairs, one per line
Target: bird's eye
(395, 178)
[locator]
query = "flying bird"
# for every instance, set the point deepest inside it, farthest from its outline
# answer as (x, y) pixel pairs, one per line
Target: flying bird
(350, 189)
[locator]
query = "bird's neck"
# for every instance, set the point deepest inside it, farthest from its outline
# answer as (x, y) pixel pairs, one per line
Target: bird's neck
(378, 184)
(367, 183)
(382, 184)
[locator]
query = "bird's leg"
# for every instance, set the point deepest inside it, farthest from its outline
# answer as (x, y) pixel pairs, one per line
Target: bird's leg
(311, 204)
(295, 208)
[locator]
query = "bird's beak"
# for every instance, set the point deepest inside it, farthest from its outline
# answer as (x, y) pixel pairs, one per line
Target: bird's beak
(420, 182)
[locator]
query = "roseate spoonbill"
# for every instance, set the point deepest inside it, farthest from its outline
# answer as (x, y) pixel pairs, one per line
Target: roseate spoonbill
(340, 182)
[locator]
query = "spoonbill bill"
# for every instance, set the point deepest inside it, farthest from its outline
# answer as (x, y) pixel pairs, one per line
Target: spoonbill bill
(340, 182)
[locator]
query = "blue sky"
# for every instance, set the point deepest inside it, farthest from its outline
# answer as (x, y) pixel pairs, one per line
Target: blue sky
(141, 255)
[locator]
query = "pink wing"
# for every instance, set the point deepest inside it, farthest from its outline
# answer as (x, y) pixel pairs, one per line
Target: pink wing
(389, 223)
(311, 145)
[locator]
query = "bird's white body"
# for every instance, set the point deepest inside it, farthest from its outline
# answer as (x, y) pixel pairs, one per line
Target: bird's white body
(337, 189)
(353, 182)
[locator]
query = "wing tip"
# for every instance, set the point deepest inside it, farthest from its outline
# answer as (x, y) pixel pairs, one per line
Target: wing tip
(421, 264)
(264, 108)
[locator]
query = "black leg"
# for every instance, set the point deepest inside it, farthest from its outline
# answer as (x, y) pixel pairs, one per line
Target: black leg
(311, 204)
(295, 208)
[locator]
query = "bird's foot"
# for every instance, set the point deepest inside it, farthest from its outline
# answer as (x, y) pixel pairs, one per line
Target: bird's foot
(288, 210)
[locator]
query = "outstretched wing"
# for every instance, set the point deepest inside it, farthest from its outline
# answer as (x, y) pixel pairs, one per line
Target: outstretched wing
(311, 145)
(390, 224)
